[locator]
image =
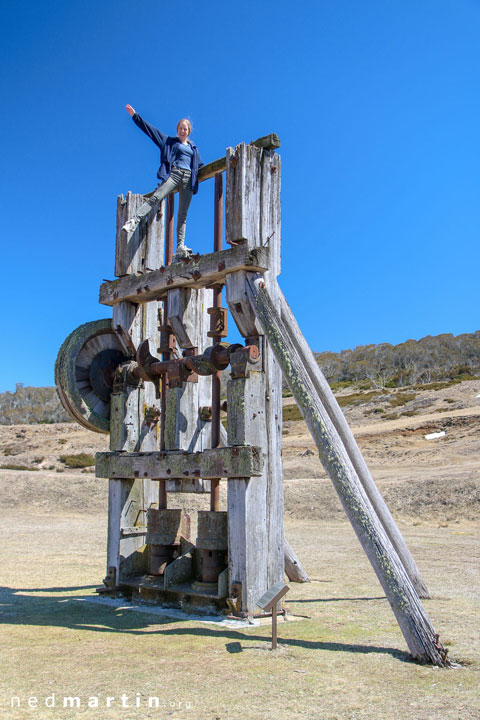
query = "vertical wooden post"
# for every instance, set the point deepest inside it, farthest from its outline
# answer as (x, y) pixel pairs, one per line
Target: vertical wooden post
(129, 500)
(189, 320)
(252, 216)
(274, 627)
(217, 303)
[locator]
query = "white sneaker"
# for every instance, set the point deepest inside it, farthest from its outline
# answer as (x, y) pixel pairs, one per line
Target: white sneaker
(182, 253)
(131, 224)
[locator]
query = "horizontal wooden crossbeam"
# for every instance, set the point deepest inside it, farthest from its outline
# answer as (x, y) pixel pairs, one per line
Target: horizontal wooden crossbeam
(242, 461)
(268, 142)
(210, 269)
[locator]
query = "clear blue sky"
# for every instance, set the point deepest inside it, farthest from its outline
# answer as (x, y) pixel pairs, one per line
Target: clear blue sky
(377, 107)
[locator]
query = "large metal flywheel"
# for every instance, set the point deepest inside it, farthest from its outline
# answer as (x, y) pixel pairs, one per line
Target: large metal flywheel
(84, 372)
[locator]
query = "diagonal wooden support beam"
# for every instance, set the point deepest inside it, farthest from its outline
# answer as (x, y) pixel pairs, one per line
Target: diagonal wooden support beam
(409, 611)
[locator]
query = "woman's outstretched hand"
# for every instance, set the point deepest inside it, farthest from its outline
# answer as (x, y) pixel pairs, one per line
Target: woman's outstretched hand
(130, 110)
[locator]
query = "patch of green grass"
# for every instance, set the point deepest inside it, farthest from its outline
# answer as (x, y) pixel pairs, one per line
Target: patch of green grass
(291, 412)
(401, 399)
(81, 460)
(449, 400)
(441, 385)
(340, 385)
(18, 467)
(409, 413)
(435, 385)
(357, 398)
(358, 385)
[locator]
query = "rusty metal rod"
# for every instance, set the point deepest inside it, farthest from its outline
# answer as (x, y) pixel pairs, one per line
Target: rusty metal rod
(217, 302)
(162, 490)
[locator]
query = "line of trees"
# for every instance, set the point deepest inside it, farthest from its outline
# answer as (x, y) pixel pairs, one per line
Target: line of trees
(439, 357)
(414, 362)
(31, 405)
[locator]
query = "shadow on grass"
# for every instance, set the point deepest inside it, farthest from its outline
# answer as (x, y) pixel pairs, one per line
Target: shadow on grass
(337, 599)
(17, 608)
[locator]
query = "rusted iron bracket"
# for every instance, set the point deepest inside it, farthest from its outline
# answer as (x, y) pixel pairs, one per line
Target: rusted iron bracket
(205, 413)
(152, 415)
(109, 581)
(242, 359)
(218, 322)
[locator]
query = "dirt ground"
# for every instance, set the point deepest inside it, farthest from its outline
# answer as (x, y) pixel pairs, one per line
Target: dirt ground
(345, 658)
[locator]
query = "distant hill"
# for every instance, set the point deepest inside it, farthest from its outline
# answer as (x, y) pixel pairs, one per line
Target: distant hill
(414, 362)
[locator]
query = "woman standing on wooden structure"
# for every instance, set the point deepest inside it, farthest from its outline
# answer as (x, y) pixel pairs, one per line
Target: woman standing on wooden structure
(180, 162)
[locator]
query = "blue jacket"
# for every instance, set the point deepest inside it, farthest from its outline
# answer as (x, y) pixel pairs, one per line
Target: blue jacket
(167, 151)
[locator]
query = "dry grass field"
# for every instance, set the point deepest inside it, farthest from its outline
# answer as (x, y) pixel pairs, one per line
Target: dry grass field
(341, 655)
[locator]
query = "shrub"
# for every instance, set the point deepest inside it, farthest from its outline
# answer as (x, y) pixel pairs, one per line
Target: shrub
(401, 399)
(81, 460)
(291, 412)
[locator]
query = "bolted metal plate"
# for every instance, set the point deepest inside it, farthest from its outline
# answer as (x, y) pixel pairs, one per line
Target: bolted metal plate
(84, 371)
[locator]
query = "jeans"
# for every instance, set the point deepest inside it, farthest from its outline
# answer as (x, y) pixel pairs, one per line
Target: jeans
(178, 179)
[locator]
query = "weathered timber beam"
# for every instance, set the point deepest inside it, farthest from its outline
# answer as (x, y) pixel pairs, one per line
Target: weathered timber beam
(409, 611)
(342, 427)
(267, 142)
(238, 462)
(294, 569)
(207, 270)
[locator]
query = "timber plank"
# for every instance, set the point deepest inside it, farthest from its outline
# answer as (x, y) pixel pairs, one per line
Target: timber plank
(208, 270)
(245, 461)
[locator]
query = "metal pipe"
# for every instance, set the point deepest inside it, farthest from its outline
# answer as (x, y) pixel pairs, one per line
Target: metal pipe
(217, 302)
(162, 494)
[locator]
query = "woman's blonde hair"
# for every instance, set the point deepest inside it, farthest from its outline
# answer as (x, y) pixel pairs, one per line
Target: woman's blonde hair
(188, 123)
